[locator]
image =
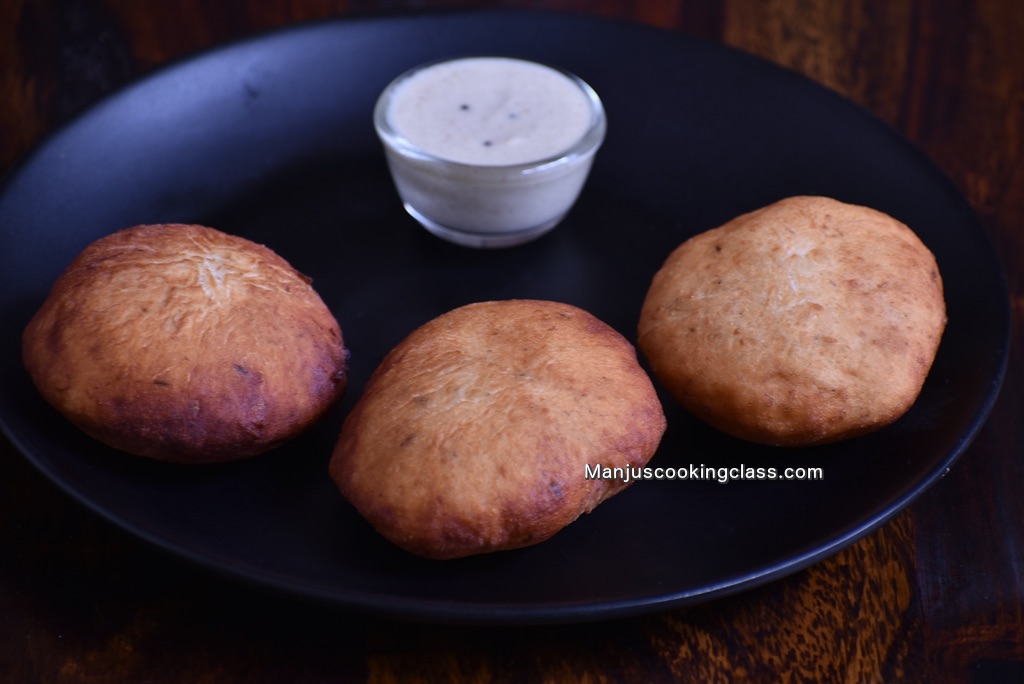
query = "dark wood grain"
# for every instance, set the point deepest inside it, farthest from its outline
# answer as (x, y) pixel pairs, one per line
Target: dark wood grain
(935, 595)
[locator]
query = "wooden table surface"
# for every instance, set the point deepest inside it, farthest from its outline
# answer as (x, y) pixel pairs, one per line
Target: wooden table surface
(935, 595)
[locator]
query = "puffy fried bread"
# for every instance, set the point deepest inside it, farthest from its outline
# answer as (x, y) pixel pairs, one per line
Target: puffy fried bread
(474, 433)
(805, 322)
(186, 344)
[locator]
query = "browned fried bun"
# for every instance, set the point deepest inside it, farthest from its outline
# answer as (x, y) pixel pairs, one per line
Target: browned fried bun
(474, 433)
(186, 344)
(805, 322)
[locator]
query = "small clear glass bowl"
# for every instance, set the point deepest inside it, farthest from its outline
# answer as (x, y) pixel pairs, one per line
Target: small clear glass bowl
(488, 206)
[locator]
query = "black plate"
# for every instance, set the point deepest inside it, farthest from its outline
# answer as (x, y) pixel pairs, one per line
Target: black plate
(272, 139)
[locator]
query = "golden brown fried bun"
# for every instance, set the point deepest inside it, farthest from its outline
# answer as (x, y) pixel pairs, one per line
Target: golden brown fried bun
(805, 322)
(185, 344)
(473, 434)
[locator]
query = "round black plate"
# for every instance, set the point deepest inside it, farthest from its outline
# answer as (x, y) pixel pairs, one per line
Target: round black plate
(272, 139)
